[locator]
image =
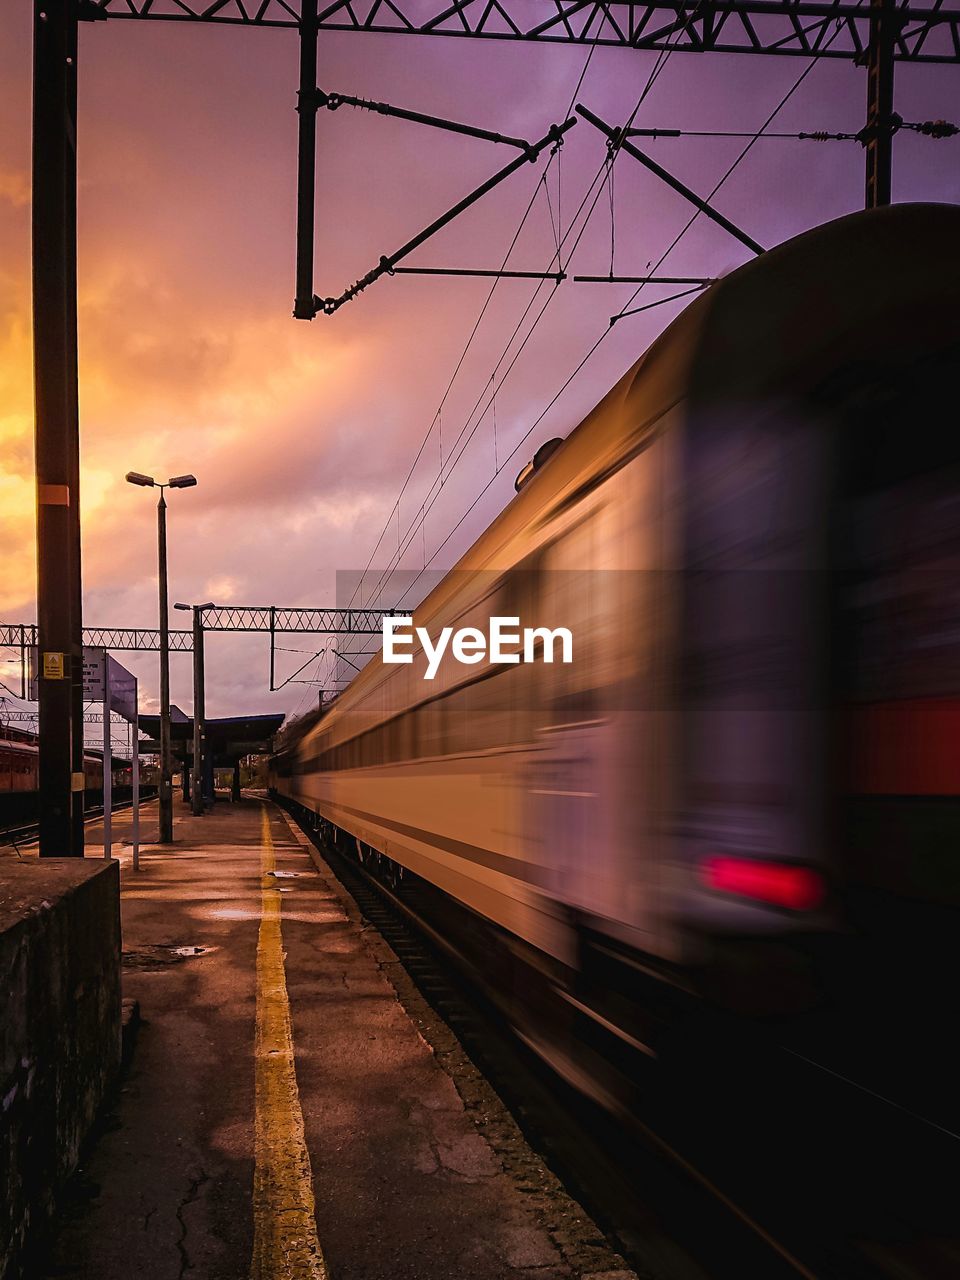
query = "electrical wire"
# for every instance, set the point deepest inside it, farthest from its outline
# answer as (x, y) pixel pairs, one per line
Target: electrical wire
(457, 452)
(437, 419)
(624, 310)
(606, 166)
(583, 361)
(292, 715)
(453, 456)
(404, 544)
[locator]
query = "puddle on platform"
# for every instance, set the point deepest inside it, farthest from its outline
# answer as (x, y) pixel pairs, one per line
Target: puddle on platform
(159, 955)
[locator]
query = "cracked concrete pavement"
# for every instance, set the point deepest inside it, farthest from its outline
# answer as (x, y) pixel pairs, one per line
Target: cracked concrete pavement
(419, 1173)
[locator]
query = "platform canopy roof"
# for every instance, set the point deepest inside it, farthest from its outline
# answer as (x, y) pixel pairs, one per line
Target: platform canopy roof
(230, 737)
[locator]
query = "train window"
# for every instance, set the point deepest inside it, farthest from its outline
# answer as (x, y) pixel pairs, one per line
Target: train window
(892, 419)
(430, 728)
(399, 745)
(457, 723)
(897, 533)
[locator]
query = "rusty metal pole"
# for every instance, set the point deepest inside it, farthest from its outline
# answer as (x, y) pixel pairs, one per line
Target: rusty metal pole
(60, 663)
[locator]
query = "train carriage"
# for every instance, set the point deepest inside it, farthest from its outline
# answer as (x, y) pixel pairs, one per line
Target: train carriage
(753, 541)
(19, 779)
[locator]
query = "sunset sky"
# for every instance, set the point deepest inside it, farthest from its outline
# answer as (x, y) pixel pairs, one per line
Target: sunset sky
(300, 434)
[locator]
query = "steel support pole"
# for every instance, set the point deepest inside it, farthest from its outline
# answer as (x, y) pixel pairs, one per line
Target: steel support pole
(73, 411)
(166, 786)
(881, 122)
(135, 758)
(60, 671)
(304, 307)
(107, 762)
(209, 776)
(207, 789)
(202, 702)
(196, 780)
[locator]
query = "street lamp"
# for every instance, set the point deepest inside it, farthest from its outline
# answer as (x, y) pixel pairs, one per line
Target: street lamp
(196, 780)
(166, 790)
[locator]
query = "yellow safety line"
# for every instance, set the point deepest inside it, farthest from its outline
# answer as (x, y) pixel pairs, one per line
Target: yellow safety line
(285, 1243)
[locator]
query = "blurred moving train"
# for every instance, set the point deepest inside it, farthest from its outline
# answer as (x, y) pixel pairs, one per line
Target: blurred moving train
(746, 786)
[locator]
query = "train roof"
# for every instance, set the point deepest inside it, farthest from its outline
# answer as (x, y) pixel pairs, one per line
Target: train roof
(796, 307)
(782, 310)
(17, 746)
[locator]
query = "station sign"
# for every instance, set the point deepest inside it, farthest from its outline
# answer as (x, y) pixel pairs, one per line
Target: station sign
(53, 666)
(101, 673)
(93, 669)
(122, 686)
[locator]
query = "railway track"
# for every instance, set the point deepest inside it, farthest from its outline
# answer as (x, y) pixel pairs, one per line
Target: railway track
(29, 833)
(668, 1216)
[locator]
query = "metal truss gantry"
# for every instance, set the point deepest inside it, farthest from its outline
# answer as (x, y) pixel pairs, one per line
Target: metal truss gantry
(926, 33)
(873, 33)
(271, 619)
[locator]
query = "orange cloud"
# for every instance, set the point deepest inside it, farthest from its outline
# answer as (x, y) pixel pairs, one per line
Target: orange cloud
(15, 187)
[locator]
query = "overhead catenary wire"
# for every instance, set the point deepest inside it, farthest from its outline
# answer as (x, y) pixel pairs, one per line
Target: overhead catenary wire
(595, 189)
(930, 128)
(454, 455)
(425, 508)
(317, 679)
(595, 186)
(520, 444)
(477, 323)
(623, 312)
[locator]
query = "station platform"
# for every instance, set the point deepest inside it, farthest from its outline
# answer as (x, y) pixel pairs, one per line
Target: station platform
(293, 1107)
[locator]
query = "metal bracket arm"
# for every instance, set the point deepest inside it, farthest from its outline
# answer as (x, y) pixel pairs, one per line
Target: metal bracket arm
(386, 264)
(617, 141)
(333, 101)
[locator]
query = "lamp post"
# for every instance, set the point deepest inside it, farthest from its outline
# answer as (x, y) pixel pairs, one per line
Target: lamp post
(199, 696)
(166, 790)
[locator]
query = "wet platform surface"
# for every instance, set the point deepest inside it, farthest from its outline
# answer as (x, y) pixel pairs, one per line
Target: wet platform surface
(286, 1113)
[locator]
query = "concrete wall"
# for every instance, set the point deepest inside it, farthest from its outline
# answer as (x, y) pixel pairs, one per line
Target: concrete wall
(59, 1031)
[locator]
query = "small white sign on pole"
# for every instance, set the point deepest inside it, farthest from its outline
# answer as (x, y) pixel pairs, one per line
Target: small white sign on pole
(94, 672)
(107, 682)
(135, 762)
(107, 761)
(120, 695)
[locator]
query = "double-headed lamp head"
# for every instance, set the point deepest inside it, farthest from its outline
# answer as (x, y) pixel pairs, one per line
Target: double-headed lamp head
(175, 482)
